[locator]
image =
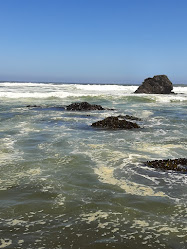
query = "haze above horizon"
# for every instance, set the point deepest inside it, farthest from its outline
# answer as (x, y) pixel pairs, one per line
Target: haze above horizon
(93, 41)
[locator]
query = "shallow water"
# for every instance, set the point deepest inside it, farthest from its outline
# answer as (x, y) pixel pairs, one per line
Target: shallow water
(64, 184)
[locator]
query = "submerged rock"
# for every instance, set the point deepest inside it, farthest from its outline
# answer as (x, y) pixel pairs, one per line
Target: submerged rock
(179, 164)
(115, 123)
(83, 106)
(129, 117)
(33, 106)
(159, 84)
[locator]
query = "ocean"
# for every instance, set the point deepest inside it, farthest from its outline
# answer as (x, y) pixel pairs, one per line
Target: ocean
(65, 184)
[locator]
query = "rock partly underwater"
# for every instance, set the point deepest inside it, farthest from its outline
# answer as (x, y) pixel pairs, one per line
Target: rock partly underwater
(179, 164)
(83, 106)
(115, 123)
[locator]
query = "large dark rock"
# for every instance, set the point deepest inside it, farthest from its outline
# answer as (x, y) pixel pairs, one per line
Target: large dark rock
(115, 123)
(83, 106)
(179, 164)
(159, 84)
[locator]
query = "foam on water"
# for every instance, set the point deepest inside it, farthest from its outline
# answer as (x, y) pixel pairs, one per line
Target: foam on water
(179, 89)
(106, 175)
(36, 95)
(163, 150)
(5, 243)
(50, 90)
(107, 89)
(8, 153)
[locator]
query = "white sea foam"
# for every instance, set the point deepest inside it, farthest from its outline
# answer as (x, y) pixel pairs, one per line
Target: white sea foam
(170, 98)
(5, 243)
(106, 172)
(107, 88)
(180, 89)
(38, 95)
(51, 90)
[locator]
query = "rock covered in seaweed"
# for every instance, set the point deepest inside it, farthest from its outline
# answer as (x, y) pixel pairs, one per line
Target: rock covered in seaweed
(179, 164)
(83, 106)
(115, 123)
(159, 84)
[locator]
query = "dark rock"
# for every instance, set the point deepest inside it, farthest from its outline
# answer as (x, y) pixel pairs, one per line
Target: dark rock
(110, 109)
(115, 123)
(83, 106)
(159, 84)
(47, 108)
(129, 117)
(55, 108)
(179, 164)
(31, 106)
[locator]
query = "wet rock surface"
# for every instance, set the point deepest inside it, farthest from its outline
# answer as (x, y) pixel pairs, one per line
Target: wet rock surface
(83, 106)
(115, 123)
(159, 84)
(33, 106)
(179, 164)
(47, 108)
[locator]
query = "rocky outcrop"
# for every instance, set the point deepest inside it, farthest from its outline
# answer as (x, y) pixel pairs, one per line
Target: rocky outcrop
(115, 123)
(83, 106)
(159, 84)
(179, 164)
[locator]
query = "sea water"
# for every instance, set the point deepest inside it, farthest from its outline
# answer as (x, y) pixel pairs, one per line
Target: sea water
(64, 184)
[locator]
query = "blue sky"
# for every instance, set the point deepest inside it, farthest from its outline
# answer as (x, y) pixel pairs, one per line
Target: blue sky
(111, 41)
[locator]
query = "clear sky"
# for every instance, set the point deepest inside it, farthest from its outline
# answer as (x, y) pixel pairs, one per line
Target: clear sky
(111, 41)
